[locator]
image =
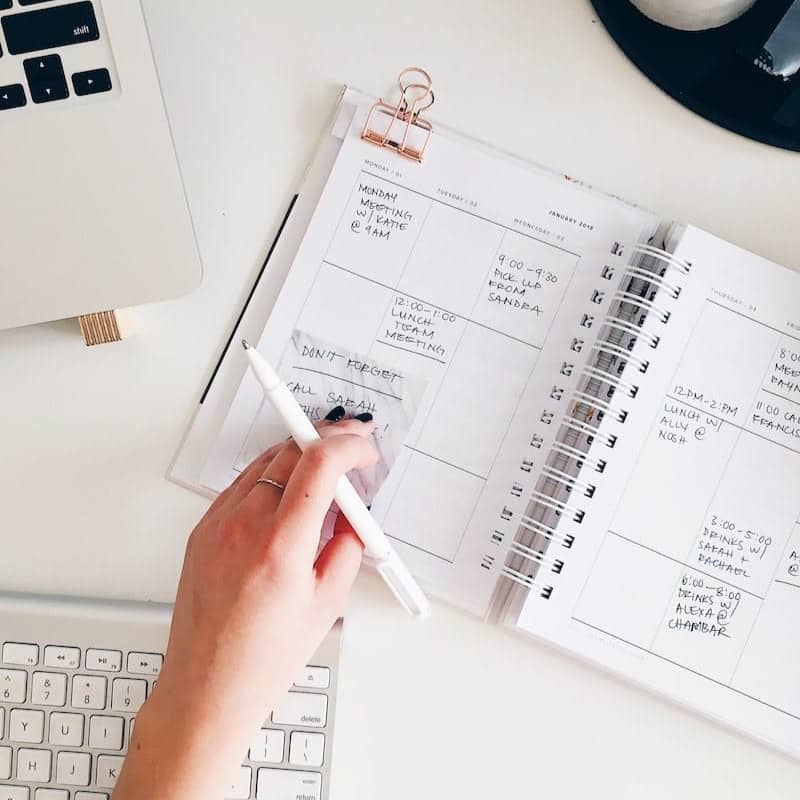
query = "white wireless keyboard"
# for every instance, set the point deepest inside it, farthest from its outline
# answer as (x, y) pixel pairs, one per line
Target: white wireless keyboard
(73, 675)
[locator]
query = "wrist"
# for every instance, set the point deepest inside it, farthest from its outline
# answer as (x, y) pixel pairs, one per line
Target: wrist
(189, 737)
(174, 754)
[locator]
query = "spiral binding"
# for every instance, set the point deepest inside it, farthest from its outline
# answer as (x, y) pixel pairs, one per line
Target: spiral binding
(605, 389)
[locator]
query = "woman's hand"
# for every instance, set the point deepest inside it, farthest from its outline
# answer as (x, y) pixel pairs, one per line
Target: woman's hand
(253, 604)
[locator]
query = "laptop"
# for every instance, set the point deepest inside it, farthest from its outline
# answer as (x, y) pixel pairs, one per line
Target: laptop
(93, 214)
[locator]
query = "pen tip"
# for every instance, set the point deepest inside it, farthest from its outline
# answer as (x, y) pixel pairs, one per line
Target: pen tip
(245, 344)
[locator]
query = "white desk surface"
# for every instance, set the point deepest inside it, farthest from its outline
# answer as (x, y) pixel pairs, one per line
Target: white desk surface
(451, 708)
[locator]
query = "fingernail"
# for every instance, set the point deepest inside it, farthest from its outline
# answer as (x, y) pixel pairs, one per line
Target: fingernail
(365, 417)
(335, 414)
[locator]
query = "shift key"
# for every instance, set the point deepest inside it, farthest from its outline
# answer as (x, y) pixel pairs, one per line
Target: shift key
(50, 27)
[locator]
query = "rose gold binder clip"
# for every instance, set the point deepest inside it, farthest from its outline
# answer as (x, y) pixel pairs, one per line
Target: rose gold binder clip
(400, 127)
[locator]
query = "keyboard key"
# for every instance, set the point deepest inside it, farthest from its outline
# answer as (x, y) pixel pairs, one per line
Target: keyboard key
(108, 769)
(240, 788)
(46, 79)
(43, 69)
(128, 695)
(24, 655)
(32, 2)
(48, 689)
(73, 769)
(104, 660)
(12, 96)
(306, 749)
(2, 723)
(145, 663)
(49, 28)
(87, 796)
(65, 730)
(62, 657)
(93, 81)
(51, 794)
(314, 678)
(106, 733)
(267, 747)
(33, 766)
(26, 725)
(301, 708)
(14, 793)
(4, 4)
(89, 691)
(279, 784)
(5, 763)
(13, 685)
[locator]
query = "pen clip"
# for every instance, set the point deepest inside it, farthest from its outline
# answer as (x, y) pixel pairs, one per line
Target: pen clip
(396, 576)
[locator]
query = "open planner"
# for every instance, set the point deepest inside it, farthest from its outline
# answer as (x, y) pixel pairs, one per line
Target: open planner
(589, 418)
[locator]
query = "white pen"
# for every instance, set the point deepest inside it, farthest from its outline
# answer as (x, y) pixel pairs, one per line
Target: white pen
(376, 546)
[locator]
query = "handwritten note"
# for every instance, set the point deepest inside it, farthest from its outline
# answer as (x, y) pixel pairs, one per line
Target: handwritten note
(377, 213)
(419, 327)
(706, 622)
(784, 376)
(322, 376)
(681, 425)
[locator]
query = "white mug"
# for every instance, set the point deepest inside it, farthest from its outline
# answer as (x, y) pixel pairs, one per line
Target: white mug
(693, 15)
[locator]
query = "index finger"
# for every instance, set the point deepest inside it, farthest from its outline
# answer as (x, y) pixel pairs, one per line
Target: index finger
(309, 492)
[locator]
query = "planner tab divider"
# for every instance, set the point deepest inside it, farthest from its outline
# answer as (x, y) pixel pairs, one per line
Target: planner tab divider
(399, 127)
(570, 475)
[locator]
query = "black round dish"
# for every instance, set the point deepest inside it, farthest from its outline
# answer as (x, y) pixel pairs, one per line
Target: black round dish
(725, 74)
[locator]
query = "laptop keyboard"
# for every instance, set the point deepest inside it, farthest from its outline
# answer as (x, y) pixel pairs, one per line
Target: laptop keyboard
(51, 52)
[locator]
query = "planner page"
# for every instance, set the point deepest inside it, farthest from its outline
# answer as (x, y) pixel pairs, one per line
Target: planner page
(685, 574)
(450, 272)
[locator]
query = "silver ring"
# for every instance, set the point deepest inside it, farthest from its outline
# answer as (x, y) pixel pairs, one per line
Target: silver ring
(279, 486)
